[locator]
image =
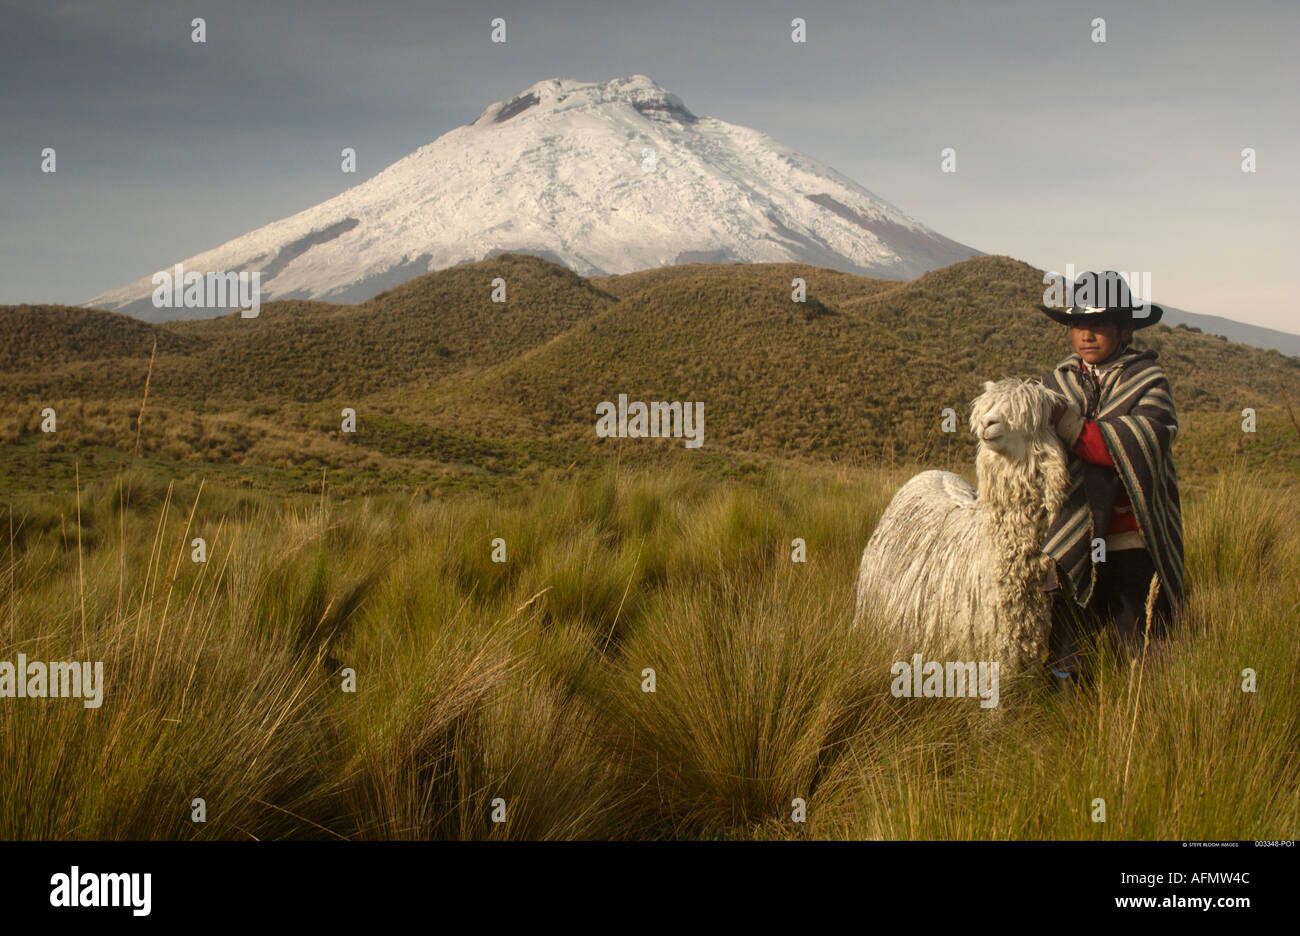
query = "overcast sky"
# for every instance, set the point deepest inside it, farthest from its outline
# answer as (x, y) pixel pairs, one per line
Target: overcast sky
(1124, 155)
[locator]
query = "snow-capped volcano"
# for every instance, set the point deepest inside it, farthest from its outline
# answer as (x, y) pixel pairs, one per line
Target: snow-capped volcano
(603, 177)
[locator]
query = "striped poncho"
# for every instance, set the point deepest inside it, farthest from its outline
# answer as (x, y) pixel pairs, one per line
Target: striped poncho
(1135, 412)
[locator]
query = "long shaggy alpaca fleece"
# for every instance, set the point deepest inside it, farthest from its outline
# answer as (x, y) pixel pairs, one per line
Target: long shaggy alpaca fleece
(959, 571)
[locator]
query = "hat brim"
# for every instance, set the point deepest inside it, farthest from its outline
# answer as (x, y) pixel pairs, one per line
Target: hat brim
(1118, 316)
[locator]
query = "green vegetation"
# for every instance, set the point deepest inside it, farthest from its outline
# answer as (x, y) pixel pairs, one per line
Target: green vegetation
(453, 390)
(475, 679)
(523, 679)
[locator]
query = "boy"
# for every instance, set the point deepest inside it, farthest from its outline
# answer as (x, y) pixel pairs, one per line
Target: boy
(1118, 426)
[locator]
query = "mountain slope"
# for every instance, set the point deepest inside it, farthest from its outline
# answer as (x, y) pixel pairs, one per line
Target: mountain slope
(837, 375)
(432, 327)
(451, 387)
(1240, 332)
(604, 178)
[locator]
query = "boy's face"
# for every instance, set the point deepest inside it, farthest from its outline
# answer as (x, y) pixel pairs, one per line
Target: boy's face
(1099, 342)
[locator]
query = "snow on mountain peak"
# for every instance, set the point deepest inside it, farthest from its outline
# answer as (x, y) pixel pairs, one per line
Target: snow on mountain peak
(604, 177)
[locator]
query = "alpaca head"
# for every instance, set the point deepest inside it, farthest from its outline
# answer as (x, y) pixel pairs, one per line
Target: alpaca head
(1020, 455)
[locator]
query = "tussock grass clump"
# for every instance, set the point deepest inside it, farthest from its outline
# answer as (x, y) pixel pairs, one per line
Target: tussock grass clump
(197, 701)
(754, 694)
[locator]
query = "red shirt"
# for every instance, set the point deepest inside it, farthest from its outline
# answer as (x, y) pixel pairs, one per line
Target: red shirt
(1092, 448)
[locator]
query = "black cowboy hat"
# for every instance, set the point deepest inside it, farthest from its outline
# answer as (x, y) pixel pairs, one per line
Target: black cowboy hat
(1104, 297)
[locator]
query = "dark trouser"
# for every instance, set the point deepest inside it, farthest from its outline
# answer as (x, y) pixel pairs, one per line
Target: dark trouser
(1119, 599)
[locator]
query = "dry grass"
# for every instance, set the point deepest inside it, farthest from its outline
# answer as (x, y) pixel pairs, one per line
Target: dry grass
(523, 681)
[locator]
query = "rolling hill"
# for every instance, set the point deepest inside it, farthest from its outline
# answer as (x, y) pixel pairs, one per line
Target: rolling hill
(449, 385)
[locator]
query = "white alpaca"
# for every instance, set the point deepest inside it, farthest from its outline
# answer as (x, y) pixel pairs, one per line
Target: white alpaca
(961, 572)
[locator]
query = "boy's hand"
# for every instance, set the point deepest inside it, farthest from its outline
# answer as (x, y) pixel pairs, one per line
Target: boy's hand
(1067, 421)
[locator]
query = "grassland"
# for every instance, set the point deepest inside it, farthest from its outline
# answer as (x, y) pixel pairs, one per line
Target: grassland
(368, 556)
(453, 391)
(523, 679)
